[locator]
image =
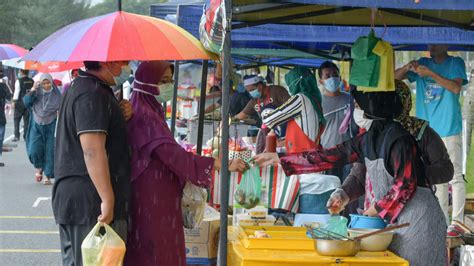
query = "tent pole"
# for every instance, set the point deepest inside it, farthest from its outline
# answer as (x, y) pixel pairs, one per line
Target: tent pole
(175, 97)
(284, 19)
(224, 178)
(202, 106)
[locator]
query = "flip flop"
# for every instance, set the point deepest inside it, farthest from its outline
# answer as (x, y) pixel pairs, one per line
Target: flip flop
(38, 177)
(47, 182)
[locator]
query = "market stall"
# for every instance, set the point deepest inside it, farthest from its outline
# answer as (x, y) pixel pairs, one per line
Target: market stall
(313, 29)
(246, 14)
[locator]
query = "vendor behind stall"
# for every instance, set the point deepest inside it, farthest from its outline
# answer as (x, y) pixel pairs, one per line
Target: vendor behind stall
(239, 98)
(263, 98)
(306, 123)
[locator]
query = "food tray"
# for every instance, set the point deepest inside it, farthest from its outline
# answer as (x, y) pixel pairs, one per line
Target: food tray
(281, 238)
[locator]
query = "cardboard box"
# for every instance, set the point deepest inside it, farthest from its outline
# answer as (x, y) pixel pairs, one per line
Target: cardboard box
(202, 242)
(198, 250)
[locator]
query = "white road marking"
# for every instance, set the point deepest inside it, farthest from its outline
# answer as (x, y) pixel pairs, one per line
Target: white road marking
(34, 232)
(30, 250)
(25, 217)
(39, 199)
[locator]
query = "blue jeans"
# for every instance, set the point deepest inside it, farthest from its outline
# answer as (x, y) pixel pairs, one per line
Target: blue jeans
(2, 136)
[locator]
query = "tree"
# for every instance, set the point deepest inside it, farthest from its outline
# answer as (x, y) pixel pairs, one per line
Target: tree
(26, 22)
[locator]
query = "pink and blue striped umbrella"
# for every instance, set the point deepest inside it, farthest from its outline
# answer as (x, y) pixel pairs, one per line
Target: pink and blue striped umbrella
(8, 51)
(119, 36)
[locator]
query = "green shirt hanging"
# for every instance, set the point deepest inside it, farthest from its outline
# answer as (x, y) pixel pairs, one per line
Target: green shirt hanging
(365, 69)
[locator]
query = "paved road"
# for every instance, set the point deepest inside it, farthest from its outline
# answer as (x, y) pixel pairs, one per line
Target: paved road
(28, 234)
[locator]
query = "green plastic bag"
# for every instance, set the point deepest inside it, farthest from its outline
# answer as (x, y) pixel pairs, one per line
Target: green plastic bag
(337, 224)
(248, 192)
(101, 250)
(365, 68)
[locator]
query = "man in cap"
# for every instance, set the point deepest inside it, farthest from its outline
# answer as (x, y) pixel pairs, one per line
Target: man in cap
(263, 97)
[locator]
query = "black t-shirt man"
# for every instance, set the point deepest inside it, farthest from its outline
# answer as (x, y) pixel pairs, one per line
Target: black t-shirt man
(89, 106)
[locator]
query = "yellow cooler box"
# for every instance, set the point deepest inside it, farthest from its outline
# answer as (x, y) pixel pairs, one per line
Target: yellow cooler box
(289, 246)
(237, 255)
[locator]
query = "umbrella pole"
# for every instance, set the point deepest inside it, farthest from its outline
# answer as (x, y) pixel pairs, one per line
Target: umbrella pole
(119, 5)
(202, 106)
(175, 97)
(224, 178)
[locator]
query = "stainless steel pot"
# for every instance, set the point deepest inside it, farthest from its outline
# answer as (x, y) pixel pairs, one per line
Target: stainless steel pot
(343, 248)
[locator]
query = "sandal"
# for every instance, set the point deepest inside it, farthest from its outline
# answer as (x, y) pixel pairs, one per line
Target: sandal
(38, 177)
(47, 182)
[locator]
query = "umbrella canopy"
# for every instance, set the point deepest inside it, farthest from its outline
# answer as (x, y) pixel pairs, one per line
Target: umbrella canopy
(46, 67)
(11, 51)
(119, 36)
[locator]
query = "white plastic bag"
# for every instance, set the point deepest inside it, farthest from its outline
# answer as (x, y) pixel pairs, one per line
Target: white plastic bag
(102, 250)
(193, 205)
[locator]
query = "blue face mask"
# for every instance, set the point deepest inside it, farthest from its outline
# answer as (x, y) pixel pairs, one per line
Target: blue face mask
(332, 84)
(255, 94)
(124, 75)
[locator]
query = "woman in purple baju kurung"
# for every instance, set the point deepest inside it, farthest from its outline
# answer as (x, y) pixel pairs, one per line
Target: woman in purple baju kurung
(160, 169)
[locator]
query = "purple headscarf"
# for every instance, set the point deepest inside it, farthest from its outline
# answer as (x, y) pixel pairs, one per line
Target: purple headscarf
(147, 129)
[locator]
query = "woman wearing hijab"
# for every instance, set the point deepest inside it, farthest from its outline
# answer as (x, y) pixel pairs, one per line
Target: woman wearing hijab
(305, 126)
(43, 102)
(160, 169)
(437, 165)
(399, 192)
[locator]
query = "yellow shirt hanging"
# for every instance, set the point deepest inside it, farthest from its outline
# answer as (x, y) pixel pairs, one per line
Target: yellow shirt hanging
(387, 76)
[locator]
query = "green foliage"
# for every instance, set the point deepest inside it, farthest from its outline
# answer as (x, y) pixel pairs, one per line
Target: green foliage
(28, 22)
(133, 6)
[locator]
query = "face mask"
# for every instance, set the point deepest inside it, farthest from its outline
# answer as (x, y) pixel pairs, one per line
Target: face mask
(166, 92)
(332, 84)
(360, 120)
(124, 75)
(255, 94)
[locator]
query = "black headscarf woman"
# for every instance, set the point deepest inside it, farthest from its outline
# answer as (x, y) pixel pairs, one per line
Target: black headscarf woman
(395, 187)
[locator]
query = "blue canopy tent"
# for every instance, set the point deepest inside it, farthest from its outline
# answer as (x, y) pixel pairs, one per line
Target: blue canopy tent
(329, 40)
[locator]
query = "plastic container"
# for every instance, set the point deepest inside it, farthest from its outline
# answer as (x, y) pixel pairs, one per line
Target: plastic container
(366, 222)
(280, 238)
(315, 220)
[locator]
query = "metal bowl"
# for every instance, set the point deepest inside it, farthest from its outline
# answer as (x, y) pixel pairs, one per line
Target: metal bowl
(378, 242)
(343, 248)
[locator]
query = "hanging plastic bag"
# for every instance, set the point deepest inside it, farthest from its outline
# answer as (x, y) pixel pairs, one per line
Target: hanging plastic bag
(193, 205)
(248, 192)
(99, 249)
(337, 224)
(212, 26)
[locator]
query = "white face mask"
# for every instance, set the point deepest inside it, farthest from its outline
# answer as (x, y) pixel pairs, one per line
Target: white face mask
(360, 120)
(166, 91)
